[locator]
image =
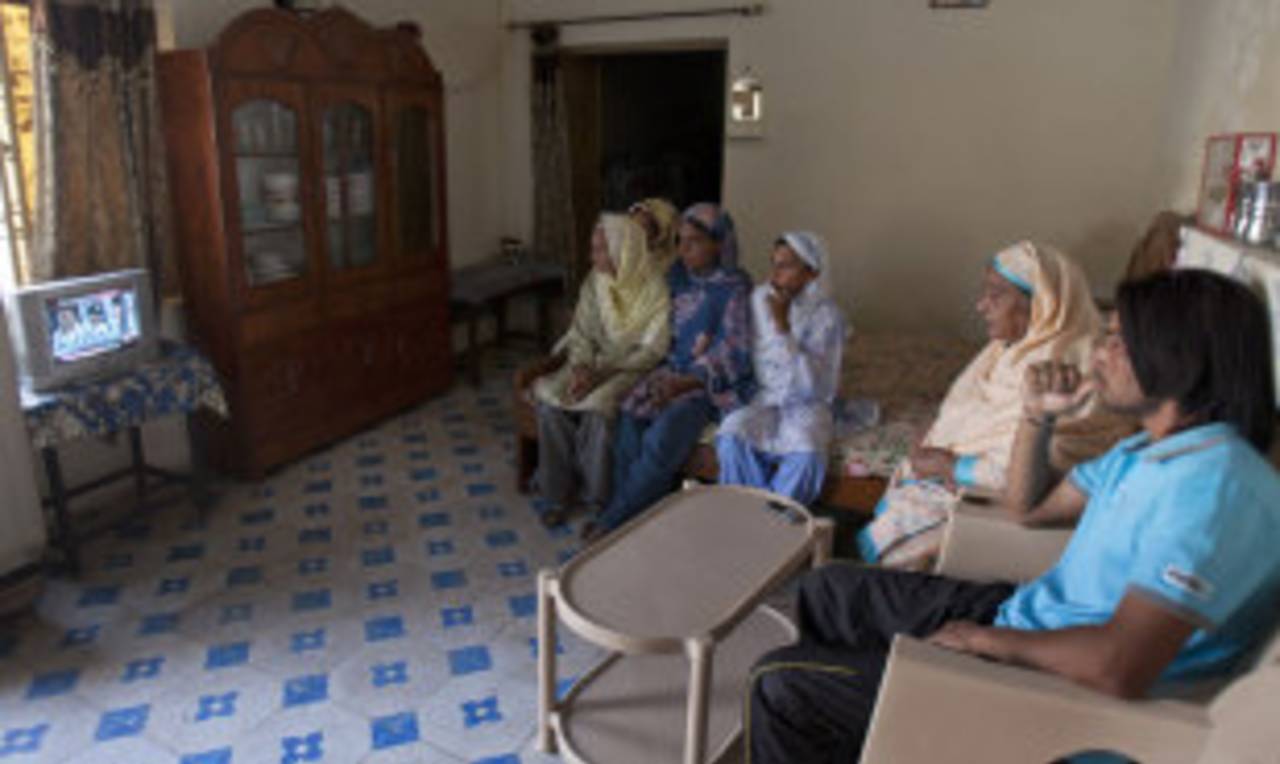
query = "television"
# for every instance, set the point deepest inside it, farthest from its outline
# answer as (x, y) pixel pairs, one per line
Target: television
(77, 329)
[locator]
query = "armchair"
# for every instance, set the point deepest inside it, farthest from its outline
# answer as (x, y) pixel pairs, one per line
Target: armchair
(939, 705)
(982, 544)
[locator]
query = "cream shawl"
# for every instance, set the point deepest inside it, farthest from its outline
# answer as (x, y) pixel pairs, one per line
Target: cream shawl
(981, 411)
(667, 218)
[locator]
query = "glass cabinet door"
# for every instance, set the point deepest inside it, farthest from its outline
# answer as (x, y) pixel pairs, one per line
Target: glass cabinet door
(350, 186)
(416, 151)
(268, 174)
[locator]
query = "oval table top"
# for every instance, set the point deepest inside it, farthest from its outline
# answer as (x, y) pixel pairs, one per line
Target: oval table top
(693, 565)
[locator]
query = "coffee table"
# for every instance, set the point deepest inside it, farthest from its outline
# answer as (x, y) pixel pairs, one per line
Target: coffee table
(675, 596)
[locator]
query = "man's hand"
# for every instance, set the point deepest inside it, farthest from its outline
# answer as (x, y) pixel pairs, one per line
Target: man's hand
(929, 463)
(963, 636)
(780, 308)
(1052, 389)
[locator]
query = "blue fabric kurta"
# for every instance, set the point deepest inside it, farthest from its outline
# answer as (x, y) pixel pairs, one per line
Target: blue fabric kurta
(711, 341)
(781, 439)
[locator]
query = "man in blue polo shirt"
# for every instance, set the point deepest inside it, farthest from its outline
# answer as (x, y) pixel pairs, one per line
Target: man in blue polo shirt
(1171, 573)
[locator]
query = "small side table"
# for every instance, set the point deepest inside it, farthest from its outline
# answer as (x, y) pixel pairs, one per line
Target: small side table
(682, 581)
(483, 289)
(178, 381)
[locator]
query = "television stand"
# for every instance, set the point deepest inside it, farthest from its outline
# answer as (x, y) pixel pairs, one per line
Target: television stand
(178, 381)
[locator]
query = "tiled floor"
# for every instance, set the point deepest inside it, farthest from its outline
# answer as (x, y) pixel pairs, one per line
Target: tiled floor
(372, 604)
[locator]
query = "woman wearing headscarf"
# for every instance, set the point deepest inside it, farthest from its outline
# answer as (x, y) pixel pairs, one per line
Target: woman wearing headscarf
(780, 440)
(707, 372)
(1037, 307)
(660, 220)
(620, 330)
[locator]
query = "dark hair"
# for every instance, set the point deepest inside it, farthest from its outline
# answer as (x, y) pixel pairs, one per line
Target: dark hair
(1203, 340)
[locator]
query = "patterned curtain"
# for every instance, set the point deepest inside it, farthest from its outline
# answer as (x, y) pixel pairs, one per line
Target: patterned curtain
(102, 200)
(553, 216)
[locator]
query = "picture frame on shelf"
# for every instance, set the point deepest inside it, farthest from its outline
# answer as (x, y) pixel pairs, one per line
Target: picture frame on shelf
(1229, 159)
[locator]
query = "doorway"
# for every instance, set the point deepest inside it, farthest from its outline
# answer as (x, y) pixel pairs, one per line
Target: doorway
(662, 127)
(642, 124)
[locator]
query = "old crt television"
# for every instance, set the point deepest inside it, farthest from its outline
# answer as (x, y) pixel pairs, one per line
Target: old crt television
(76, 329)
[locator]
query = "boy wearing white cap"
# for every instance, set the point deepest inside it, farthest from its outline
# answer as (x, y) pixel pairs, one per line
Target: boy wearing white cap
(780, 440)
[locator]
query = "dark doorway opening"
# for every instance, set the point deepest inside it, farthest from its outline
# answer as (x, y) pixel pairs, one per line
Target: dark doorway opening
(662, 127)
(636, 125)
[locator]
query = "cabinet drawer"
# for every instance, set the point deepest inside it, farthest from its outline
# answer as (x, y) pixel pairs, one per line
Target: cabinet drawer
(283, 383)
(359, 301)
(418, 288)
(274, 325)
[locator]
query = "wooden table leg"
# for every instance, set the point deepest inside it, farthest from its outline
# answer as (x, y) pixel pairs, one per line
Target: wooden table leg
(473, 345)
(63, 537)
(198, 488)
(139, 465)
(500, 321)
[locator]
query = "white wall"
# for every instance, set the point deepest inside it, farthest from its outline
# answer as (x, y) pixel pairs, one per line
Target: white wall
(919, 141)
(1226, 79)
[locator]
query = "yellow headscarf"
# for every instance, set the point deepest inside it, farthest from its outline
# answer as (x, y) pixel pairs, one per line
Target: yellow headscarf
(667, 217)
(982, 409)
(630, 299)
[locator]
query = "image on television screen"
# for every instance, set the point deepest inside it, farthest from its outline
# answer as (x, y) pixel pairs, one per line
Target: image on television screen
(87, 325)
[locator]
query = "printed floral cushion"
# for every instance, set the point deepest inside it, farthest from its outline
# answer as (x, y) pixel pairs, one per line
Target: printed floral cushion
(907, 375)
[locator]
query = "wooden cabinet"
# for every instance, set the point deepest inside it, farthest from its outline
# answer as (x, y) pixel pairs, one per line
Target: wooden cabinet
(306, 162)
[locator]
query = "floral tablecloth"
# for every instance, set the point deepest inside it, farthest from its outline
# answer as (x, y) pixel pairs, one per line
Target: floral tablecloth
(907, 376)
(178, 381)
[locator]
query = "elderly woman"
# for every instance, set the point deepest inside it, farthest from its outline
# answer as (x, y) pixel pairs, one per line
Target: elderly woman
(707, 372)
(660, 220)
(1037, 307)
(780, 440)
(620, 330)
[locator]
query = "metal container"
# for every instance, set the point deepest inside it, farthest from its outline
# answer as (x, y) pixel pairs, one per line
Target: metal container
(1258, 212)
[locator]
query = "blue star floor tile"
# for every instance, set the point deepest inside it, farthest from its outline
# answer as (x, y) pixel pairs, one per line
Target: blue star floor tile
(372, 603)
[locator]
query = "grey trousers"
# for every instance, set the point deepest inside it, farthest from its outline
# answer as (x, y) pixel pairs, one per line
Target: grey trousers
(572, 444)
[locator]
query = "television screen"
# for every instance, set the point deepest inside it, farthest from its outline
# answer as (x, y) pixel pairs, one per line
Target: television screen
(91, 324)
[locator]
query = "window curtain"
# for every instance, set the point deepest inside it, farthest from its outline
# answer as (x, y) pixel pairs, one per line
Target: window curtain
(102, 199)
(17, 143)
(553, 215)
(22, 533)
